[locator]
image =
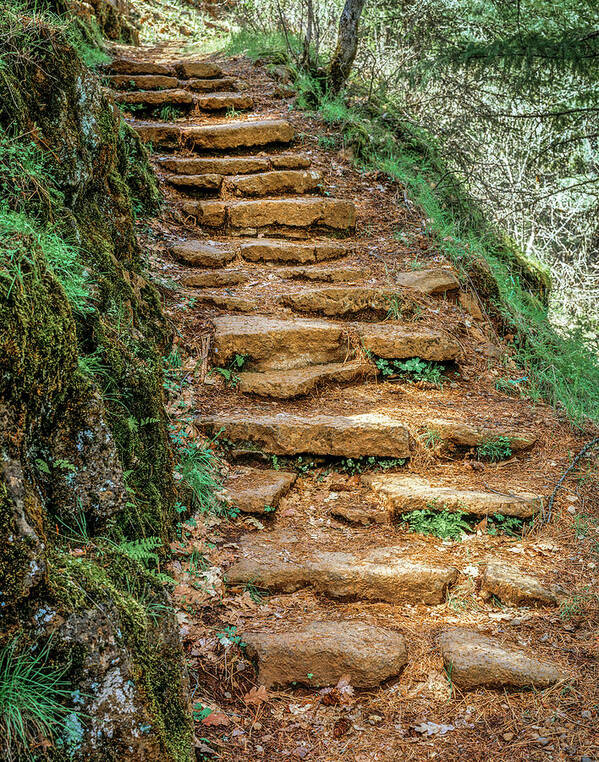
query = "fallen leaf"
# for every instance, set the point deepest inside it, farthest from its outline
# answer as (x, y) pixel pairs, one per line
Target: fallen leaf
(216, 718)
(256, 696)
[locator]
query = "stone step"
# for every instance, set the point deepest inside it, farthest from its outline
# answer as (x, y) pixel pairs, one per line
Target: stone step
(216, 278)
(181, 69)
(437, 280)
(129, 66)
(197, 70)
(339, 301)
(398, 342)
(181, 97)
(253, 490)
(249, 217)
(402, 494)
(199, 252)
(263, 184)
(221, 101)
(273, 344)
(229, 135)
(511, 585)
(227, 84)
(228, 302)
(474, 661)
(274, 183)
(155, 98)
(234, 165)
(327, 273)
(286, 384)
(143, 82)
(283, 344)
(385, 574)
(204, 183)
(271, 250)
(285, 434)
(320, 653)
(470, 435)
(164, 81)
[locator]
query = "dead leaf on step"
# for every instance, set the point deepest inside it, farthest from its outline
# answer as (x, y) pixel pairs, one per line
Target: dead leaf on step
(216, 719)
(342, 693)
(256, 696)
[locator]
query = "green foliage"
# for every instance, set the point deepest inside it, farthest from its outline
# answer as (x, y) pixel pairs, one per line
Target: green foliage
(61, 257)
(414, 369)
(500, 524)
(32, 697)
(368, 463)
(142, 550)
(448, 525)
(167, 113)
(494, 448)
(431, 438)
(197, 468)
(229, 373)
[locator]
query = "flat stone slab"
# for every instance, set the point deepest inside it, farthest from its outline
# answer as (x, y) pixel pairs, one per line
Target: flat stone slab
(234, 165)
(382, 575)
(469, 435)
(212, 214)
(327, 273)
(206, 182)
(320, 653)
(285, 434)
(197, 69)
(253, 490)
(434, 281)
(265, 250)
(227, 84)
(286, 384)
(129, 66)
(329, 213)
(216, 278)
(143, 81)
(275, 182)
(219, 101)
(274, 344)
(402, 494)
(215, 136)
(477, 661)
(398, 342)
(340, 300)
(225, 301)
(153, 98)
(196, 252)
(511, 585)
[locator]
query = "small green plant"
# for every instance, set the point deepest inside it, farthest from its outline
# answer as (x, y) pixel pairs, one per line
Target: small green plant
(500, 524)
(32, 698)
(197, 468)
(368, 463)
(200, 712)
(395, 307)
(577, 604)
(431, 438)
(229, 635)
(233, 367)
(414, 369)
(448, 525)
(169, 113)
(328, 141)
(494, 448)
(255, 593)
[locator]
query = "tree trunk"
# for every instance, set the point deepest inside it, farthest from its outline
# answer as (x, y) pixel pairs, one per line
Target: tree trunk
(347, 44)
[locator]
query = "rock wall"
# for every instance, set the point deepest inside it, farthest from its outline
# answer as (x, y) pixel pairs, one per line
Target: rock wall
(85, 460)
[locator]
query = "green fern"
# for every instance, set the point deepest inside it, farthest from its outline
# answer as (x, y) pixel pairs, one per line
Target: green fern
(141, 549)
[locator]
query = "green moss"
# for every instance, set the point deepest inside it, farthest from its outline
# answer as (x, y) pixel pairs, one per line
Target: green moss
(115, 580)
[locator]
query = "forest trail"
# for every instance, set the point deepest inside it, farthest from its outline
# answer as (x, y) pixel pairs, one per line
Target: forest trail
(358, 383)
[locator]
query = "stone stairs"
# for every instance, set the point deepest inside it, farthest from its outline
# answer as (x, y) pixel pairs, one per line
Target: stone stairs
(319, 313)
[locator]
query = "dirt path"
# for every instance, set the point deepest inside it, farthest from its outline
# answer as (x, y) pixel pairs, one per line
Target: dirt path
(305, 292)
